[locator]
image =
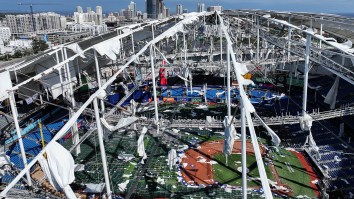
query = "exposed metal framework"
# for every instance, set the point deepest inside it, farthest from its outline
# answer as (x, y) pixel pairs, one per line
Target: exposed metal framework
(149, 53)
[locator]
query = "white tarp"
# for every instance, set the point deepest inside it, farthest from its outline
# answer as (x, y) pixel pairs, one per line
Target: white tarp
(123, 186)
(4, 160)
(229, 136)
(133, 106)
(126, 157)
(242, 70)
(172, 158)
(266, 16)
(190, 76)
(5, 85)
(123, 122)
(275, 137)
(209, 119)
(312, 146)
(94, 188)
(305, 122)
(45, 167)
(4, 164)
(141, 146)
(331, 96)
(125, 87)
(312, 142)
(110, 48)
(77, 49)
(59, 168)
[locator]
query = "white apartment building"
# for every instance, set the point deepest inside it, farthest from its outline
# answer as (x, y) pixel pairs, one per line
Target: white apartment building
(132, 6)
(128, 14)
(43, 22)
(5, 34)
(214, 8)
(92, 29)
(90, 17)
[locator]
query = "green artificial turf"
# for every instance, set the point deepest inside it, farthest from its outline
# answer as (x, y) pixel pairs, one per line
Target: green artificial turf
(129, 169)
(298, 180)
(228, 174)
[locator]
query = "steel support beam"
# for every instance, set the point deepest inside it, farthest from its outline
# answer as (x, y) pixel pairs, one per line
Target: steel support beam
(306, 73)
(154, 84)
(18, 132)
(243, 153)
(102, 149)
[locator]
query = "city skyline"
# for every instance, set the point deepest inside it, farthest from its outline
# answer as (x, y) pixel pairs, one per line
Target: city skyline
(330, 6)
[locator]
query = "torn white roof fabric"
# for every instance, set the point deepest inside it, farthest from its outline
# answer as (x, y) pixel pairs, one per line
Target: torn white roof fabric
(5, 84)
(123, 122)
(229, 136)
(331, 96)
(110, 48)
(305, 122)
(77, 49)
(94, 188)
(59, 168)
(141, 146)
(275, 137)
(172, 158)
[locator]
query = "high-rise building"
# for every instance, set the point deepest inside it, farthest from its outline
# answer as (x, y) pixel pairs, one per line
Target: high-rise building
(93, 18)
(44, 22)
(139, 14)
(160, 6)
(185, 11)
(128, 14)
(179, 9)
(201, 7)
(145, 16)
(214, 8)
(99, 14)
(63, 22)
(154, 8)
(166, 12)
(151, 8)
(132, 6)
(111, 17)
(79, 9)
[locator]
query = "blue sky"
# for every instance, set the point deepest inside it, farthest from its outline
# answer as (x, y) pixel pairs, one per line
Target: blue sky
(329, 6)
